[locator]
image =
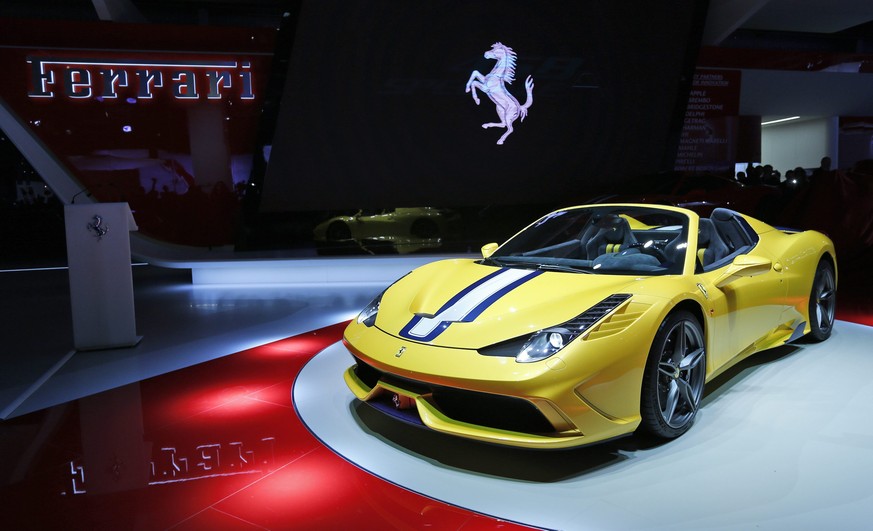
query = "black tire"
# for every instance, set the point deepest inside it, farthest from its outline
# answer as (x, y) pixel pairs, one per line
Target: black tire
(674, 376)
(338, 231)
(822, 302)
(424, 229)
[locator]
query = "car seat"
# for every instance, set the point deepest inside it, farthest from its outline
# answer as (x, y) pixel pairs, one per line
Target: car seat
(726, 226)
(613, 235)
(710, 247)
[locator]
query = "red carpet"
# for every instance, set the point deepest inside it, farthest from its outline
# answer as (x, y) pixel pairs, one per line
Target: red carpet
(214, 446)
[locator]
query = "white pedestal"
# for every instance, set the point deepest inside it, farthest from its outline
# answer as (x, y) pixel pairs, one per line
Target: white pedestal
(101, 280)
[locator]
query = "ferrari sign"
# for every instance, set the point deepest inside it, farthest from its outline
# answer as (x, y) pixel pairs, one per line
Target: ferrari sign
(92, 78)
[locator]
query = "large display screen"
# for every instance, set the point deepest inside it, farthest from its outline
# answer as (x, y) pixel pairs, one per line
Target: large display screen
(457, 103)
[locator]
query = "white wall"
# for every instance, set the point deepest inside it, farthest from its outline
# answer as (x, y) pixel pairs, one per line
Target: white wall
(800, 143)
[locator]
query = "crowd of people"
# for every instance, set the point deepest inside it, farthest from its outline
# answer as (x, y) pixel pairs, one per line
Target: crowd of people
(792, 180)
(833, 201)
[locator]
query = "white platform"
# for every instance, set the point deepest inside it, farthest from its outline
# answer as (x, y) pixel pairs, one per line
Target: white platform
(225, 267)
(783, 441)
(182, 324)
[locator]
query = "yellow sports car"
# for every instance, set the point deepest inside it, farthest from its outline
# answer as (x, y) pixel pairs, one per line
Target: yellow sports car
(591, 323)
(405, 230)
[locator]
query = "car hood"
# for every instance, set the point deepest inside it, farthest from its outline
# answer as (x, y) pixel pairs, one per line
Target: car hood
(463, 304)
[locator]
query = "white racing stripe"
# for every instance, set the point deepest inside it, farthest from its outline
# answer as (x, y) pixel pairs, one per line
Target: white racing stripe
(469, 302)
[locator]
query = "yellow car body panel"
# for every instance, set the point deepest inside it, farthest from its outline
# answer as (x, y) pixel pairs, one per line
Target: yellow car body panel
(589, 390)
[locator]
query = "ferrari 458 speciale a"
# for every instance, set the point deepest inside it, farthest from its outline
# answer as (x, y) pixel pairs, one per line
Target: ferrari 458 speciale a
(591, 323)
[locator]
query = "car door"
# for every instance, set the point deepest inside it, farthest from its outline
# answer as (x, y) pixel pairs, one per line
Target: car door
(745, 287)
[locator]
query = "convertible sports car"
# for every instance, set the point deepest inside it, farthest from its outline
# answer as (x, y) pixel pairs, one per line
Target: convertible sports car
(404, 230)
(591, 323)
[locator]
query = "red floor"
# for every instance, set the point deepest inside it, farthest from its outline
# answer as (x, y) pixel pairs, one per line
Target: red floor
(855, 293)
(215, 446)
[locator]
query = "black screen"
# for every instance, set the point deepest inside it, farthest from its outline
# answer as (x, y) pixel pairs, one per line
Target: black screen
(374, 111)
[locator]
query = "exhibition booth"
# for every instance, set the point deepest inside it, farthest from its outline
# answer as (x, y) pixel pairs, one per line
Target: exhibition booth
(217, 199)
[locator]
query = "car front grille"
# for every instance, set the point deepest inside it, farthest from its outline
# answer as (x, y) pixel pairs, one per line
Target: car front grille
(473, 407)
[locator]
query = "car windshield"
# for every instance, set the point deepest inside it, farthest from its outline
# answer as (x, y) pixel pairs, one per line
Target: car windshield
(609, 240)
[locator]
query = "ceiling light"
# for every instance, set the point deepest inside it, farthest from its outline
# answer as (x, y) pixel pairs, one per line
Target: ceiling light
(780, 120)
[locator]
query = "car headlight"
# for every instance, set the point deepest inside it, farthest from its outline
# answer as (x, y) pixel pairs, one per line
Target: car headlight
(550, 341)
(367, 317)
(544, 344)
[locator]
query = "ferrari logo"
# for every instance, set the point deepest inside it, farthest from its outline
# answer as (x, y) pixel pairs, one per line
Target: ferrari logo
(97, 228)
(494, 84)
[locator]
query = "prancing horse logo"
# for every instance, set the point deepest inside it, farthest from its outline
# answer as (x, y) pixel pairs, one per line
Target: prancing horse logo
(97, 228)
(494, 86)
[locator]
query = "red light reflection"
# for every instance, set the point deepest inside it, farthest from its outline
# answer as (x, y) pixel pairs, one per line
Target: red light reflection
(304, 346)
(214, 446)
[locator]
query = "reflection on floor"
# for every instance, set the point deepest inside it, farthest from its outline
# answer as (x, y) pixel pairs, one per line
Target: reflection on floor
(181, 324)
(213, 446)
(179, 433)
(175, 432)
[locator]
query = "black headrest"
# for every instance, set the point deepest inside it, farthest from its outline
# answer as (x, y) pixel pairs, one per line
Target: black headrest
(610, 221)
(721, 214)
(613, 228)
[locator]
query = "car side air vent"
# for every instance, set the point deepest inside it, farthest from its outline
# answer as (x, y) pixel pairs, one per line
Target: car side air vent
(617, 322)
(596, 312)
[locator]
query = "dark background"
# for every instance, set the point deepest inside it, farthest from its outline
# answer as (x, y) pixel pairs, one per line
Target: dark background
(374, 113)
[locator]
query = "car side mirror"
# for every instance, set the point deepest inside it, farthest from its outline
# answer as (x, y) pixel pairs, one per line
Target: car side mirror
(744, 265)
(488, 249)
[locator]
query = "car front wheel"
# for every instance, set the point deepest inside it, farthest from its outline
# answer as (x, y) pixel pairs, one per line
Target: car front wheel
(674, 376)
(424, 228)
(338, 231)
